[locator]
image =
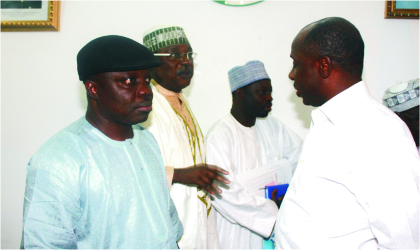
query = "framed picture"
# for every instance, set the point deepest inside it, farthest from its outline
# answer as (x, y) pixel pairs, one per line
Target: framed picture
(30, 15)
(402, 9)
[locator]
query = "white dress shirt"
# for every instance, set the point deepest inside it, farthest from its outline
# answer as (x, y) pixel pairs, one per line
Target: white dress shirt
(357, 182)
(244, 219)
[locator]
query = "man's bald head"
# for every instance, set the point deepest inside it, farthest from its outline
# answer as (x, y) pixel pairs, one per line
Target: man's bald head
(338, 39)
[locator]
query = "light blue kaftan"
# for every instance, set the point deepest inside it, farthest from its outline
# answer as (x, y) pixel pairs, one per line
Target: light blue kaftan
(85, 190)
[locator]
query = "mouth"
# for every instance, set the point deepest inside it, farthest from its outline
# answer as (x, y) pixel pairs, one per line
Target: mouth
(268, 106)
(297, 91)
(185, 74)
(147, 107)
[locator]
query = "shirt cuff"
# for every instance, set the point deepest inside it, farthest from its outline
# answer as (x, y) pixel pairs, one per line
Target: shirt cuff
(169, 172)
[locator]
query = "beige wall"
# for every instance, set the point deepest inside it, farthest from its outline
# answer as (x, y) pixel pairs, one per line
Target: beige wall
(41, 93)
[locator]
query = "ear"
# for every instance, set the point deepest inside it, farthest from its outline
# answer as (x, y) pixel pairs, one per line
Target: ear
(92, 89)
(325, 67)
(240, 94)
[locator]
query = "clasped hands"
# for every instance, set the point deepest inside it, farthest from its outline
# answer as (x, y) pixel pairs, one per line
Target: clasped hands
(202, 175)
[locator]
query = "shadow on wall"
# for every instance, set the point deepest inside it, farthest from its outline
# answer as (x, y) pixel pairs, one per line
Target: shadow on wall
(303, 111)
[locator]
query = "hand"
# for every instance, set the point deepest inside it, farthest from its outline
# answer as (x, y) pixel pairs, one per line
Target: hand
(273, 198)
(201, 175)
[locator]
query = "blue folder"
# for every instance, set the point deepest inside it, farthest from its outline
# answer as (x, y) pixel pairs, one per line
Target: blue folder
(281, 190)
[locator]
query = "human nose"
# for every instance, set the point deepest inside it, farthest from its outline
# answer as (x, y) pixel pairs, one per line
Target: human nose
(291, 75)
(145, 90)
(269, 97)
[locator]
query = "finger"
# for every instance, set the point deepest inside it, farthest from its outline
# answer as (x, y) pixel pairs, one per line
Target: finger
(215, 176)
(206, 179)
(217, 169)
(205, 186)
(210, 186)
(222, 179)
(273, 195)
(281, 198)
(216, 188)
(210, 174)
(209, 190)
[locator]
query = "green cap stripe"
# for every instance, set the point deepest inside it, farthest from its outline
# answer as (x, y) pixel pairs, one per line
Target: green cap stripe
(164, 37)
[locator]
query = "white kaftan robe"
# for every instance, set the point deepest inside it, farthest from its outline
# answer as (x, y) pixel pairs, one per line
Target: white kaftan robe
(181, 149)
(85, 190)
(242, 219)
(358, 180)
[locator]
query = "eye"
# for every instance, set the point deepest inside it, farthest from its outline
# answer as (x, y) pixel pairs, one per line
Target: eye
(191, 55)
(148, 80)
(175, 55)
(127, 81)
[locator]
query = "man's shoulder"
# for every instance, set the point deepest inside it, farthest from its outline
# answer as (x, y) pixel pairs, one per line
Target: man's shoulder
(62, 147)
(269, 122)
(71, 134)
(223, 126)
(374, 115)
(375, 125)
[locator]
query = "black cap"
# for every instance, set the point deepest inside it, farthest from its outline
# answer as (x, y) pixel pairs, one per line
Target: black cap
(114, 54)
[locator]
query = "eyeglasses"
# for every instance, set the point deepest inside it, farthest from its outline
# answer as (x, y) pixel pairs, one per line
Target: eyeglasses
(178, 56)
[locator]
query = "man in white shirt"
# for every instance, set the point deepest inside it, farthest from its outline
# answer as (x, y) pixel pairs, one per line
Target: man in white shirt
(357, 182)
(242, 141)
(180, 139)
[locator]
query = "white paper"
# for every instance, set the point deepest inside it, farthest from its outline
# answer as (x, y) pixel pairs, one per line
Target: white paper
(276, 173)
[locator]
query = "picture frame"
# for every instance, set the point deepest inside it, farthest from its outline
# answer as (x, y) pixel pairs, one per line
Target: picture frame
(45, 17)
(402, 9)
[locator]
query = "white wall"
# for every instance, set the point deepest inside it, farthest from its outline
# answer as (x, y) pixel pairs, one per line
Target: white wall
(41, 93)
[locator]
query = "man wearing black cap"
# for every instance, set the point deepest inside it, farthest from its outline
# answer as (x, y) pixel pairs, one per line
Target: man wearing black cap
(100, 182)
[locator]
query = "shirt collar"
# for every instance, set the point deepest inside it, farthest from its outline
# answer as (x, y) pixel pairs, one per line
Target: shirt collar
(339, 107)
(163, 91)
(240, 125)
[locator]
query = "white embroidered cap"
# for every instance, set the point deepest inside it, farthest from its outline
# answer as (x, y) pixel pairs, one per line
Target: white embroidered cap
(402, 96)
(241, 76)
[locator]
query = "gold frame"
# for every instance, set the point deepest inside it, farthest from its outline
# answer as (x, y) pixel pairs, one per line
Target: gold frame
(52, 24)
(392, 12)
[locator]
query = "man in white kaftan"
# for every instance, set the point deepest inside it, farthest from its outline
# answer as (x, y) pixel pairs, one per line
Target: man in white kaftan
(357, 185)
(179, 136)
(100, 183)
(85, 190)
(242, 141)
